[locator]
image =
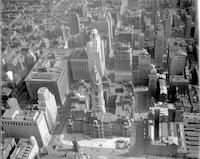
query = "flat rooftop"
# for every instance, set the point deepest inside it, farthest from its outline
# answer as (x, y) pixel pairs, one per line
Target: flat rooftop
(25, 115)
(51, 65)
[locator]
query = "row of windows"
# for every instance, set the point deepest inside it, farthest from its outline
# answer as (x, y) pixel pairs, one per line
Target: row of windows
(80, 65)
(23, 124)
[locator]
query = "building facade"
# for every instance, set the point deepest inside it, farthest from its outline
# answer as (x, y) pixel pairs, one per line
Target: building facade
(26, 148)
(140, 67)
(74, 23)
(24, 124)
(177, 57)
(122, 56)
(122, 62)
(99, 125)
(51, 72)
(47, 103)
(159, 48)
(79, 65)
(95, 48)
(153, 77)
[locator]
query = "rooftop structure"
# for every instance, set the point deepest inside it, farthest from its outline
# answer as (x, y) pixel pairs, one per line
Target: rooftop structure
(24, 124)
(50, 71)
(26, 149)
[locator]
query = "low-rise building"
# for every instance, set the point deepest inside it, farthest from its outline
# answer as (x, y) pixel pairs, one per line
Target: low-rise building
(26, 148)
(165, 131)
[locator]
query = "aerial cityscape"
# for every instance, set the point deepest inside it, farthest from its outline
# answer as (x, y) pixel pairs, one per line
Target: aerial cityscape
(100, 79)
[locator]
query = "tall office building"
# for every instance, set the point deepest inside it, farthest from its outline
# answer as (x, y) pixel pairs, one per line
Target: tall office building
(176, 57)
(104, 24)
(97, 99)
(74, 23)
(135, 69)
(159, 48)
(153, 77)
(177, 20)
(168, 25)
(24, 124)
(188, 26)
(47, 103)
(79, 65)
(122, 62)
(95, 48)
(178, 63)
(122, 55)
(140, 67)
(142, 99)
(50, 71)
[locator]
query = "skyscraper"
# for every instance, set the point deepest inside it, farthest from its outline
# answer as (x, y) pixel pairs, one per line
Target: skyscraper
(95, 49)
(122, 54)
(159, 48)
(178, 63)
(152, 81)
(188, 26)
(168, 25)
(51, 72)
(97, 99)
(122, 62)
(74, 23)
(140, 68)
(79, 64)
(47, 103)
